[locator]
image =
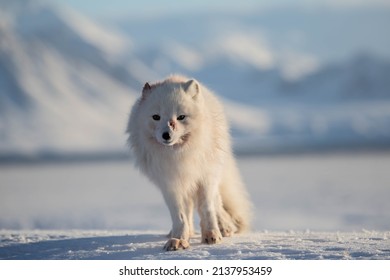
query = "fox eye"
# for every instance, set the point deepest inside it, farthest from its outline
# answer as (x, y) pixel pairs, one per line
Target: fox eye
(181, 117)
(156, 117)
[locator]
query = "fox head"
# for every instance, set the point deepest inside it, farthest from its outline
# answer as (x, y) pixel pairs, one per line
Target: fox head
(170, 111)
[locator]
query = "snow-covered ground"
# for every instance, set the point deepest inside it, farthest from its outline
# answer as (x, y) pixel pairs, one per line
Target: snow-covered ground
(324, 206)
(147, 245)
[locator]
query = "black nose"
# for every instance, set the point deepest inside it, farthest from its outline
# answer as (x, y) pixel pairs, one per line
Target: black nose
(166, 136)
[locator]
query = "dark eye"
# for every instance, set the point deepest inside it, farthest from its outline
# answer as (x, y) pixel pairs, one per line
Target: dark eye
(181, 117)
(156, 117)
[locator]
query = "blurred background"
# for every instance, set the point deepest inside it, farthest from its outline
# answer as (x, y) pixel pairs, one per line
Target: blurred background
(306, 86)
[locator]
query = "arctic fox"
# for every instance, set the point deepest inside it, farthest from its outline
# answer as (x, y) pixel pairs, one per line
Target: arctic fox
(180, 138)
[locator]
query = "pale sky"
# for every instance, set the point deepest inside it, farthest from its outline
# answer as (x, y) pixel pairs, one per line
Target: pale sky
(104, 8)
(112, 8)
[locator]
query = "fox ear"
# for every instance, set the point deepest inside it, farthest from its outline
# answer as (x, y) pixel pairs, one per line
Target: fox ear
(192, 87)
(146, 90)
(146, 87)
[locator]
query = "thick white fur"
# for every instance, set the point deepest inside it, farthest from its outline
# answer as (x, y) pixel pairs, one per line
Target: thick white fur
(196, 166)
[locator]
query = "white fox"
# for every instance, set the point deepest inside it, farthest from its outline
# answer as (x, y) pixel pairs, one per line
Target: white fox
(180, 138)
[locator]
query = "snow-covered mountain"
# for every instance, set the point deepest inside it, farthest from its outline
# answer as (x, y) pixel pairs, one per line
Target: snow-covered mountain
(62, 87)
(67, 84)
(274, 63)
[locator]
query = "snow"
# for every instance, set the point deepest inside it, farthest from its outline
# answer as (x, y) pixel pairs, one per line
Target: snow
(245, 48)
(109, 40)
(147, 245)
(315, 206)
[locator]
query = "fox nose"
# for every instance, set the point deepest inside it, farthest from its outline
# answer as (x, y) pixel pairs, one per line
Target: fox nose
(166, 136)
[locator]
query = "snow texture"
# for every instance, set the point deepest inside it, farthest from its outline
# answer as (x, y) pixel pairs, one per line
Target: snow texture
(145, 245)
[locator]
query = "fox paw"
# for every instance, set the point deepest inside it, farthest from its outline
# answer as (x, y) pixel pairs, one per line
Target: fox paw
(226, 232)
(175, 244)
(227, 229)
(211, 237)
